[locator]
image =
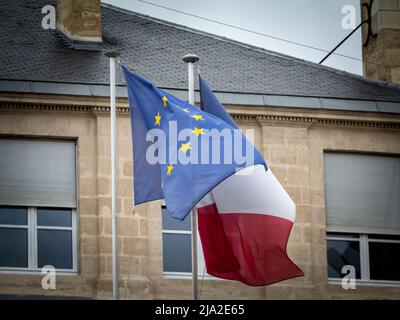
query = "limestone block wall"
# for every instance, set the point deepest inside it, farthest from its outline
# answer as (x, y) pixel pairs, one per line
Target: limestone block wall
(80, 20)
(293, 142)
(382, 55)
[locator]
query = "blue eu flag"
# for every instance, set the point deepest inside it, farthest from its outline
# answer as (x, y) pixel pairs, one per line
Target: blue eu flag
(180, 152)
(210, 104)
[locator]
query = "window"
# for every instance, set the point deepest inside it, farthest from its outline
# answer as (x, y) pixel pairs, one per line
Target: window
(14, 237)
(343, 249)
(37, 205)
(177, 251)
(177, 246)
(374, 257)
(362, 195)
(31, 238)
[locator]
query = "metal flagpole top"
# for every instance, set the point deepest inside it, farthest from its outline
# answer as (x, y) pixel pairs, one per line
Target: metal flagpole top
(112, 54)
(190, 58)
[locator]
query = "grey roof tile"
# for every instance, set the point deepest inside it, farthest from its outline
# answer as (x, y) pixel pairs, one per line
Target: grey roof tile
(154, 49)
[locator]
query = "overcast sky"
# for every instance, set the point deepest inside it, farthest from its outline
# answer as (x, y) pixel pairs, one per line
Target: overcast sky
(315, 23)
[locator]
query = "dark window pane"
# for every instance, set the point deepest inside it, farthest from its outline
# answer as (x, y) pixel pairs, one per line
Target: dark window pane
(341, 253)
(13, 247)
(384, 261)
(169, 223)
(55, 248)
(383, 237)
(343, 235)
(13, 215)
(54, 217)
(177, 253)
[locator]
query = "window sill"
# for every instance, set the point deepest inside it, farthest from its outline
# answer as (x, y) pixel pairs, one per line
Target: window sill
(36, 272)
(365, 283)
(187, 276)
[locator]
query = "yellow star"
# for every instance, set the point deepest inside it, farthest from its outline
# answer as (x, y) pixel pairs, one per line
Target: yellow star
(198, 117)
(164, 99)
(197, 131)
(158, 118)
(185, 109)
(169, 169)
(185, 147)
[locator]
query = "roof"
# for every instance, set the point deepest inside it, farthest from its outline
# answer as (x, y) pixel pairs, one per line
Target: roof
(154, 49)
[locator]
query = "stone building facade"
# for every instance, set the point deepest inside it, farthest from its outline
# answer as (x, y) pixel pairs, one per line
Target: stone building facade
(293, 133)
(292, 142)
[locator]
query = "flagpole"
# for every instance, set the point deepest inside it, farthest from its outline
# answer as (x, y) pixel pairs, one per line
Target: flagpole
(191, 59)
(114, 214)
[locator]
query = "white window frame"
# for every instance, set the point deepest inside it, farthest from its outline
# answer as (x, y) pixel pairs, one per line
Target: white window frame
(32, 228)
(364, 240)
(201, 267)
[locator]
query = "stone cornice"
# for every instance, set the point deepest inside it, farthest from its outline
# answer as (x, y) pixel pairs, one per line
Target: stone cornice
(308, 121)
(278, 117)
(60, 107)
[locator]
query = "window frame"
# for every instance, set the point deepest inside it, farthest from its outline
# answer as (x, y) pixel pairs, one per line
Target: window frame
(201, 267)
(363, 240)
(32, 228)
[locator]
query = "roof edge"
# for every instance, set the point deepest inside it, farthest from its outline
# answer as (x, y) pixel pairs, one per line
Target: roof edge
(301, 102)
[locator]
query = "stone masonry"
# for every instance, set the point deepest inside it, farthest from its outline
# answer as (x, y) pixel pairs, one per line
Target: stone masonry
(382, 55)
(292, 142)
(80, 20)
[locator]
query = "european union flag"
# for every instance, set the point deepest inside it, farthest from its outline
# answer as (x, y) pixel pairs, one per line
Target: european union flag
(180, 152)
(210, 104)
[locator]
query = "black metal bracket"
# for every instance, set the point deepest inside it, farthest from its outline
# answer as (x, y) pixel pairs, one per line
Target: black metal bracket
(369, 22)
(370, 33)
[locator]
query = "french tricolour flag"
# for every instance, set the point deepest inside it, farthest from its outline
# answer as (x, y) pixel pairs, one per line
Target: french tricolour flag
(244, 225)
(245, 221)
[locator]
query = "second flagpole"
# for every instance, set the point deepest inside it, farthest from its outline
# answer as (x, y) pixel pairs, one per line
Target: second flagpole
(191, 59)
(114, 213)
